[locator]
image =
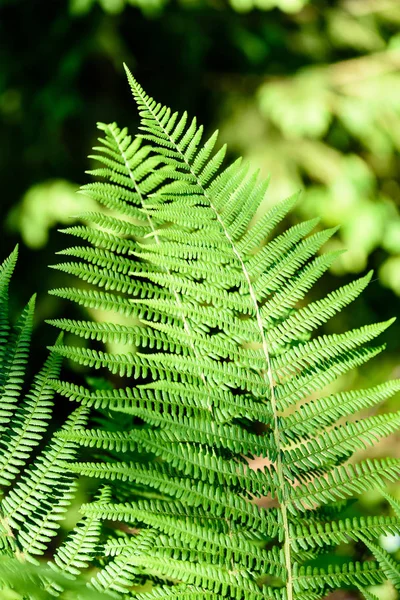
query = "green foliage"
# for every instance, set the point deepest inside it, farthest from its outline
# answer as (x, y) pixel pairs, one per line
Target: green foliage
(321, 127)
(44, 206)
(309, 96)
(155, 7)
(36, 489)
(227, 374)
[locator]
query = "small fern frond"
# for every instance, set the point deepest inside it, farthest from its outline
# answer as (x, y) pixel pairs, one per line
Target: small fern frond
(47, 481)
(308, 534)
(319, 414)
(36, 488)
(171, 483)
(119, 574)
(14, 363)
(344, 481)
(79, 549)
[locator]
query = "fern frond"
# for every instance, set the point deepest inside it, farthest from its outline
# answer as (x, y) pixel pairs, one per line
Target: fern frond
(29, 581)
(146, 401)
(222, 581)
(168, 442)
(198, 463)
(174, 593)
(316, 313)
(78, 550)
(226, 369)
(321, 375)
(32, 509)
(394, 503)
(367, 594)
(186, 490)
(341, 441)
(48, 481)
(119, 574)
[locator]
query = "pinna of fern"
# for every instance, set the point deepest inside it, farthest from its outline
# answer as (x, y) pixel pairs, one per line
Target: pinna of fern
(225, 367)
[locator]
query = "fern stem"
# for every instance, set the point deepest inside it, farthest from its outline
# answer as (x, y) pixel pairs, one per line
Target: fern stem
(277, 437)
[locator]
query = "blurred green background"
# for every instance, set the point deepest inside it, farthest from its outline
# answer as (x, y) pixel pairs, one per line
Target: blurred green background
(308, 90)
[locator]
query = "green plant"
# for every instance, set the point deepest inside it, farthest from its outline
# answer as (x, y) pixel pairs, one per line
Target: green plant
(225, 371)
(36, 489)
(229, 464)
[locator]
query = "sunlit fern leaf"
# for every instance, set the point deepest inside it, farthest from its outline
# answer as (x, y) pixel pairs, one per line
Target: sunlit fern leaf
(165, 404)
(196, 593)
(222, 551)
(343, 481)
(394, 503)
(39, 500)
(224, 368)
(225, 581)
(174, 593)
(167, 441)
(221, 504)
(342, 441)
(319, 414)
(309, 534)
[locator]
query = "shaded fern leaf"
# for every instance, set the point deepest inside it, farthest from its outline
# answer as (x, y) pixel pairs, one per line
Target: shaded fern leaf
(36, 488)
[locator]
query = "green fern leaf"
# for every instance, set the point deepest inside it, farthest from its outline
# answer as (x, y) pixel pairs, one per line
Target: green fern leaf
(225, 371)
